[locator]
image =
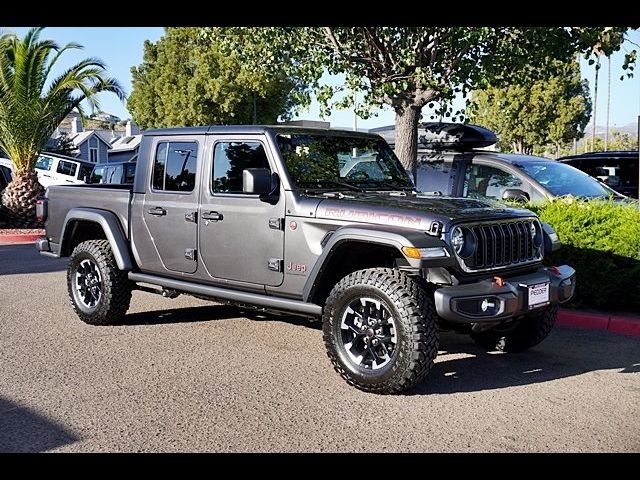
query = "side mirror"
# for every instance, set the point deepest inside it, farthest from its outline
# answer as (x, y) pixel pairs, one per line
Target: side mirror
(256, 181)
(515, 194)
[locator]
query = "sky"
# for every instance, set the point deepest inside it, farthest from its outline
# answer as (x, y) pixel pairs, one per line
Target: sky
(122, 47)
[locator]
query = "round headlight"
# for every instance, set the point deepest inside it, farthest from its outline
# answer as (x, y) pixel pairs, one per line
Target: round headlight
(457, 239)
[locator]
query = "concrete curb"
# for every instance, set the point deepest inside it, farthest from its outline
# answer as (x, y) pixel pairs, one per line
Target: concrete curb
(619, 324)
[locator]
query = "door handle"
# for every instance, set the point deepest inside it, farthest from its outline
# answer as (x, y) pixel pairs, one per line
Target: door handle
(213, 216)
(158, 211)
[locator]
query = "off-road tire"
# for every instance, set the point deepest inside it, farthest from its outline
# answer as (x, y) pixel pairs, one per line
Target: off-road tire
(416, 329)
(530, 331)
(115, 290)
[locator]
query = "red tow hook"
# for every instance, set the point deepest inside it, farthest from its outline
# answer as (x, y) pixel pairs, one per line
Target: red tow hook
(499, 281)
(555, 270)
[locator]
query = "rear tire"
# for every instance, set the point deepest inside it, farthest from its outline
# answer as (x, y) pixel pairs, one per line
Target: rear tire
(380, 330)
(530, 331)
(99, 292)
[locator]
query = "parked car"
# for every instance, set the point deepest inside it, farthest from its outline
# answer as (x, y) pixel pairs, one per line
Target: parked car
(618, 169)
(461, 170)
(6, 173)
(54, 169)
(114, 173)
(270, 218)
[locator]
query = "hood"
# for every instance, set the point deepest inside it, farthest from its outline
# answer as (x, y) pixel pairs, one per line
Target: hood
(413, 211)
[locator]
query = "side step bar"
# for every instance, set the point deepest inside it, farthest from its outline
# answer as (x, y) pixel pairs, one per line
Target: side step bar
(231, 295)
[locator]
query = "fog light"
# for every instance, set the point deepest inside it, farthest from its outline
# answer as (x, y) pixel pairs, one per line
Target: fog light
(489, 305)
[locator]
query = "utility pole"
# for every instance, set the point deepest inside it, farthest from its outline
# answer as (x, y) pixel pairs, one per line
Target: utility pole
(595, 104)
(355, 128)
(606, 134)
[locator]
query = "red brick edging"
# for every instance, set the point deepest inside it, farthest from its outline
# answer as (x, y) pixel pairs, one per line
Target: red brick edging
(12, 236)
(620, 324)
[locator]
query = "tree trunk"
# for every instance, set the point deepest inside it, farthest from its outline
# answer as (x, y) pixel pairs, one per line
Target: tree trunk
(407, 136)
(19, 199)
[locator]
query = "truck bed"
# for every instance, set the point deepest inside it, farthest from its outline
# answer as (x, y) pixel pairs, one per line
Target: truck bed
(62, 198)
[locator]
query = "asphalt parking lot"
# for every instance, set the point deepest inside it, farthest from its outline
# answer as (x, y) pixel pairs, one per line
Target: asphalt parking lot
(188, 375)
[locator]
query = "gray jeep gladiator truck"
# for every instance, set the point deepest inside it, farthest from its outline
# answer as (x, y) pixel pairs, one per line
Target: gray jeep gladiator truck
(320, 223)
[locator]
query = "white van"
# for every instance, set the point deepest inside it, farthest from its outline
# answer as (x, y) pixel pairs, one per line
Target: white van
(54, 169)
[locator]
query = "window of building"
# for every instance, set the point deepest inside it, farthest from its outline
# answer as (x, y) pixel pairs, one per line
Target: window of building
(174, 167)
(230, 159)
(67, 168)
(94, 152)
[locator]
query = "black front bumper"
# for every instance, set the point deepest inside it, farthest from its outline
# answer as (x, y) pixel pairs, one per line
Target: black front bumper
(463, 303)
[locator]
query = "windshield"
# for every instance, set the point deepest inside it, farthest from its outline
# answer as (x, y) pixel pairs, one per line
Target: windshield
(561, 179)
(333, 162)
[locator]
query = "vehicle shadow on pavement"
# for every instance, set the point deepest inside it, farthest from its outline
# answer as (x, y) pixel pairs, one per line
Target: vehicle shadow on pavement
(209, 313)
(22, 430)
(22, 259)
(565, 353)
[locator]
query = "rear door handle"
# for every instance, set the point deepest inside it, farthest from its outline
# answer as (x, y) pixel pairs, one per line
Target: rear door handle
(213, 216)
(158, 211)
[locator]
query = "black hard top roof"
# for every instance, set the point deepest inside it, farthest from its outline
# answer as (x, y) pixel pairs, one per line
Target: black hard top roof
(254, 130)
(600, 155)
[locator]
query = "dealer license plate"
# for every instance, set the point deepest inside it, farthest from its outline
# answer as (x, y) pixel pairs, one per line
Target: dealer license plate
(538, 295)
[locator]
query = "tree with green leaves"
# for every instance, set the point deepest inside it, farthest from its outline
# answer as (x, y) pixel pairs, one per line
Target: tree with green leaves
(528, 117)
(32, 105)
(185, 80)
(63, 145)
(406, 68)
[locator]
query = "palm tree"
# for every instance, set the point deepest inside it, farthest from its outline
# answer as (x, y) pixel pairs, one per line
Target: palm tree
(32, 105)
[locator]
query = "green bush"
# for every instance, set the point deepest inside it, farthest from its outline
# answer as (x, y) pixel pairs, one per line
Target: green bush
(601, 240)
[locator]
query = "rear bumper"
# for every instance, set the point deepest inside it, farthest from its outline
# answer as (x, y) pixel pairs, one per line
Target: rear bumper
(462, 303)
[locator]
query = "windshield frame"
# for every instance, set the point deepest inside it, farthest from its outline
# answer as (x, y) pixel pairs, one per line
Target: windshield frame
(351, 185)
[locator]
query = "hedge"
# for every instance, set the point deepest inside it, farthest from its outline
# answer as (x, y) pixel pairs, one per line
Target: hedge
(601, 240)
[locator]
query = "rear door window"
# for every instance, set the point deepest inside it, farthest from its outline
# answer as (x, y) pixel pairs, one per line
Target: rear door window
(174, 167)
(67, 168)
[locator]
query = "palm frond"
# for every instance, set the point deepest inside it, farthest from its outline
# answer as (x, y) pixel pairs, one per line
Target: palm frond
(30, 111)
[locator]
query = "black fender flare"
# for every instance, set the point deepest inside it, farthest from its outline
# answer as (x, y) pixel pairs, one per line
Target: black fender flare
(112, 230)
(395, 237)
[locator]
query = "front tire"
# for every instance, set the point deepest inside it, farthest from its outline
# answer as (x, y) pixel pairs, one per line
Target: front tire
(530, 331)
(99, 292)
(380, 330)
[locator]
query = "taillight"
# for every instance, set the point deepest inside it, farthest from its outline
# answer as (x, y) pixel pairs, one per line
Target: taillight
(41, 209)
